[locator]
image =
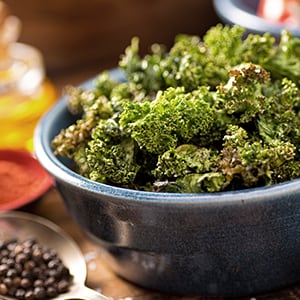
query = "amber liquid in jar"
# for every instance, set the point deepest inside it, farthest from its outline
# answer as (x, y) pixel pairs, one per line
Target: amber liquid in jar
(25, 95)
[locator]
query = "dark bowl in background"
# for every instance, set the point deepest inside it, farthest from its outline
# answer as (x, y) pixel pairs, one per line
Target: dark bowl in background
(229, 244)
(244, 13)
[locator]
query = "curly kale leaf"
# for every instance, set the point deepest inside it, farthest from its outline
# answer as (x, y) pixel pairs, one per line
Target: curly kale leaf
(193, 183)
(260, 161)
(104, 84)
(183, 160)
(93, 105)
(287, 171)
(281, 119)
(172, 117)
(224, 44)
(77, 135)
(188, 64)
(258, 49)
(227, 44)
(247, 161)
(286, 61)
(111, 155)
(243, 95)
(144, 72)
(81, 100)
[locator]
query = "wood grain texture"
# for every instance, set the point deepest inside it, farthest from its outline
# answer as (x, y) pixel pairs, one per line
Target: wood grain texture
(73, 33)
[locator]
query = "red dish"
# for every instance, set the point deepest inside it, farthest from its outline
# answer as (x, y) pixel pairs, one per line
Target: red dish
(286, 12)
(22, 179)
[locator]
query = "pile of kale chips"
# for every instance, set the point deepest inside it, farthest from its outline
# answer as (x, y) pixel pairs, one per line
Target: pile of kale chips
(212, 114)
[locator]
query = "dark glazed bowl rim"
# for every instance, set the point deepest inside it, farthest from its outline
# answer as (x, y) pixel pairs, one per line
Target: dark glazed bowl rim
(237, 12)
(62, 173)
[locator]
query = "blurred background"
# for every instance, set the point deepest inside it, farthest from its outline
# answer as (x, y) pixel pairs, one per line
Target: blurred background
(79, 38)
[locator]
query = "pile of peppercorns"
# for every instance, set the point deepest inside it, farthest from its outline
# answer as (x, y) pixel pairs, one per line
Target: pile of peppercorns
(29, 270)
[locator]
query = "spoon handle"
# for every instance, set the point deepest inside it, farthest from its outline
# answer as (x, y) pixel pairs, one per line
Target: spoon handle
(84, 293)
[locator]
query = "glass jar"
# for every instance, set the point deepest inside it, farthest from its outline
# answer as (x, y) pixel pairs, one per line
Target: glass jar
(25, 93)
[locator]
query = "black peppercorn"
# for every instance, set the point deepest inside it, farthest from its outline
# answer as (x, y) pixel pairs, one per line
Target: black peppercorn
(3, 269)
(20, 293)
(25, 283)
(3, 289)
(29, 295)
(31, 271)
(51, 292)
(39, 292)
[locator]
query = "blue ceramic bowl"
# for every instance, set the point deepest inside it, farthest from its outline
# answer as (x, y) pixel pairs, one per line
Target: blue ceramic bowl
(229, 243)
(243, 13)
